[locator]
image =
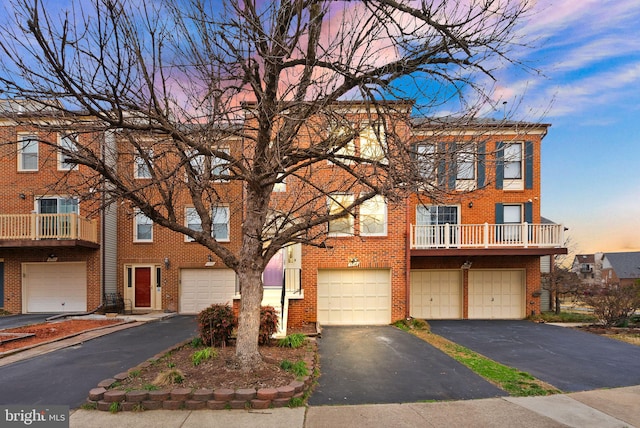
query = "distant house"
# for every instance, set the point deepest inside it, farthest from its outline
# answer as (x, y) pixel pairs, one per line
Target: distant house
(621, 268)
(588, 267)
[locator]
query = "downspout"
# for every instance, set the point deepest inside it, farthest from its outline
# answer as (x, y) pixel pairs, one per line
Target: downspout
(407, 268)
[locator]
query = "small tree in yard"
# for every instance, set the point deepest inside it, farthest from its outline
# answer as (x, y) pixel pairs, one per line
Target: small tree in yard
(614, 304)
(169, 79)
(561, 282)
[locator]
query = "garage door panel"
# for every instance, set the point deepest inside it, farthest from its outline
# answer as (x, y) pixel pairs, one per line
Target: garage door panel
(436, 294)
(496, 294)
(55, 287)
(354, 297)
(200, 288)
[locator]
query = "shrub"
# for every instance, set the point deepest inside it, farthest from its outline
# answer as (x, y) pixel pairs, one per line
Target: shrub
(613, 305)
(294, 340)
(216, 324)
(268, 324)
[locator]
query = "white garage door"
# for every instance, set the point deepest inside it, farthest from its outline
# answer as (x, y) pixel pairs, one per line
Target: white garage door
(352, 297)
(200, 288)
(55, 287)
(496, 294)
(436, 294)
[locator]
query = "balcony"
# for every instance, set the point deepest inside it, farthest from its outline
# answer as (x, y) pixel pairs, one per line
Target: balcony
(47, 230)
(481, 239)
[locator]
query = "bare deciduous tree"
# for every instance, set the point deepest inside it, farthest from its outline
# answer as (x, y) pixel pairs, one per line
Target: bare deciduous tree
(169, 80)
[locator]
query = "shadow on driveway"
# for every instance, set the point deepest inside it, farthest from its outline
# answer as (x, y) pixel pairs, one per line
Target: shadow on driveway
(382, 364)
(568, 359)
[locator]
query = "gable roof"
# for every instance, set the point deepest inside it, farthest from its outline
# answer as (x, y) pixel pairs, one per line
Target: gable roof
(625, 265)
(586, 258)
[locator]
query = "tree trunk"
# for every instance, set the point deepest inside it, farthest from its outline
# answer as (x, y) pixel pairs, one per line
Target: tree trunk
(557, 296)
(247, 352)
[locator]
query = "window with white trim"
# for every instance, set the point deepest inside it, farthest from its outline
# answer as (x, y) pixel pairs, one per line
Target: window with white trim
(373, 217)
(512, 220)
(343, 225)
(220, 226)
(220, 166)
(27, 152)
(373, 142)
(465, 162)
(341, 148)
(427, 162)
(68, 144)
(192, 221)
(513, 161)
(142, 228)
(142, 169)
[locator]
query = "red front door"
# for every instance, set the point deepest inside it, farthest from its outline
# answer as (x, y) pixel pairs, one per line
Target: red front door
(143, 287)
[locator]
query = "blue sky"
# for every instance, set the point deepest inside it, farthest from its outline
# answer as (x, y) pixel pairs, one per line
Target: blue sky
(588, 53)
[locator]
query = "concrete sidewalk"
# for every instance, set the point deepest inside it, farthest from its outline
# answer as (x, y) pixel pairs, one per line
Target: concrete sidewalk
(599, 408)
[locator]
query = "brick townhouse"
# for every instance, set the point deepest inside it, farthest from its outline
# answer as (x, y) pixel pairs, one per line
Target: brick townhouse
(56, 252)
(472, 252)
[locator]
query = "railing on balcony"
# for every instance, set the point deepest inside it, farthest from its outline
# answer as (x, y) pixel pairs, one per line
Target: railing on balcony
(486, 235)
(47, 226)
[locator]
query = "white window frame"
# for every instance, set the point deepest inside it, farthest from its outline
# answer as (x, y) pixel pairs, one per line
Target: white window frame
(68, 141)
(465, 162)
(427, 161)
(374, 212)
(220, 166)
(373, 142)
(141, 169)
(190, 214)
(28, 140)
(336, 203)
(140, 219)
(220, 219)
(348, 149)
(512, 225)
(513, 161)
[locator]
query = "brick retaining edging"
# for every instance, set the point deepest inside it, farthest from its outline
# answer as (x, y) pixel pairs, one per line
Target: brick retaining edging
(102, 398)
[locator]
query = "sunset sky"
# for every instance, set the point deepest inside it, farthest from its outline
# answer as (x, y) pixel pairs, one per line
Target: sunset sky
(585, 81)
(588, 53)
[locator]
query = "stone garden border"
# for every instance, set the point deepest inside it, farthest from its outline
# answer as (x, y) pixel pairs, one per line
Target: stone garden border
(103, 398)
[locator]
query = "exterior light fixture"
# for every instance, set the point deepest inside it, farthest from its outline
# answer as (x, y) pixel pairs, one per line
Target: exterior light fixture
(167, 263)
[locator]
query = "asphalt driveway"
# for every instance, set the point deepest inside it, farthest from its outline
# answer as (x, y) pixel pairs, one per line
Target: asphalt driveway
(381, 364)
(65, 376)
(13, 321)
(569, 359)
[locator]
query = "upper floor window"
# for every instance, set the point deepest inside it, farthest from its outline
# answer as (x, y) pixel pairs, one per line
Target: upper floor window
(142, 165)
(426, 154)
(220, 226)
(513, 161)
(192, 221)
(343, 225)
(511, 218)
(343, 148)
(465, 163)
(220, 166)
(373, 142)
(27, 152)
(143, 228)
(68, 144)
(373, 217)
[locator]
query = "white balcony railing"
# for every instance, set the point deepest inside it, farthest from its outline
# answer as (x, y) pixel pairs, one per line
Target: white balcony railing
(47, 226)
(486, 235)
